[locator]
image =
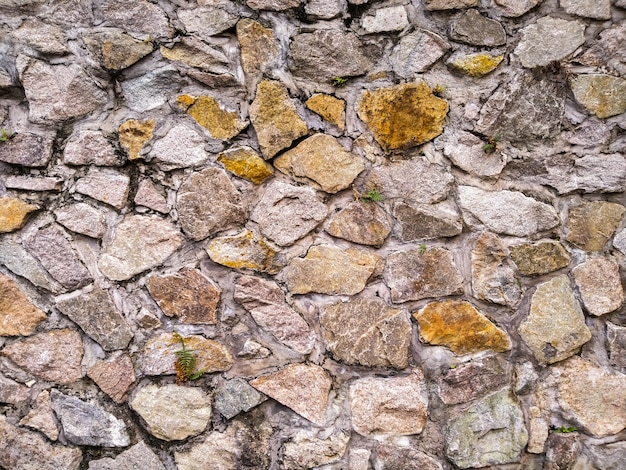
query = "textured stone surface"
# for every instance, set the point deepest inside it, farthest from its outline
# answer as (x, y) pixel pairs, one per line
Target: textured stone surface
(330, 108)
(44, 38)
(113, 376)
(108, 186)
(152, 89)
(471, 380)
(602, 95)
(208, 20)
(549, 39)
(324, 9)
(424, 222)
(306, 451)
(246, 163)
(543, 257)
(257, 45)
(82, 218)
(361, 222)
(137, 456)
(563, 450)
(593, 223)
(608, 50)
(378, 20)
(221, 123)
(465, 150)
(474, 65)
(133, 134)
(147, 195)
(28, 183)
(244, 250)
(596, 9)
(600, 286)
(616, 343)
(14, 213)
(12, 392)
(181, 147)
(274, 5)
(235, 396)
(19, 261)
(515, 8)
(118, 50)
(18, 316)
(473, 28)
(27, 149)
(416, 52)
(140, 17)
(390, 457)
(41, 417)
(90, 148)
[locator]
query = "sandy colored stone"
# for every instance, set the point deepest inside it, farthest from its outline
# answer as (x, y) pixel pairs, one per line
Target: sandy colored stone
(113, 376)
(117, 50)
(133, 134)
(538, 258)
(245, 251)
(245, 163)
(361, 222)
(210, 114)
(471, 380)
(82, 218)
(305, 450)
(147, 195)
(602, 95)
(91, 148)
(193, 55)
(18, 316)
(596, 9)
(257, 46)
(426, 222)
(14, 213)
(600, 286)
(475, 65)
(105, 185)
(593, 223)
(449, 4)
(41, 417)
(330, 108)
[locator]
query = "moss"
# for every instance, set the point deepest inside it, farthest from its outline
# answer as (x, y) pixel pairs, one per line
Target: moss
(477, 65)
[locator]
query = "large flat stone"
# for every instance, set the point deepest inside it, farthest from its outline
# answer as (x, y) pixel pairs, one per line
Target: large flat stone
(27, 149)
(600, 286)
(361, 222)
(246, 163)
(41, 417)
(19, 261)
(466, 151)
(393, 457)
(538, 258)
(434, 5)
(117, 50)
(108, 186)
(384, 19)
(152, 89)
(207, 20)
(257, 46)
(426, 222)
(18, 316)
(90, 148)
(244, 250)
(330, 108)
(593, 223)
(29, 183)
(596, 9)
(82, 218)
(221, 123)
(602, 95)
(140, 17)
(471, 380)
(515, 8)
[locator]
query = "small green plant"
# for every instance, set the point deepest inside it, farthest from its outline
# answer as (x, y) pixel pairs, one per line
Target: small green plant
(422, 248)
(373, 195)
(185, 364)
(565, 429)
(339, 81)
(453, 366)
(439, 89)
(492, 144)
(5, 135)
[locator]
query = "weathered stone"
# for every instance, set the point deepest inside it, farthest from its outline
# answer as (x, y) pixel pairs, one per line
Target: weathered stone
(507, 212)
(590, 133)
(322, 162)
(133, 135)
(392, 457)
(600, 286)
(460, 327)
(140, 17)
(596, 9)
(492, 432)
(246, 163)
(82, 218)
(515, 8)
(287, 213)
(181, 147)
(117, 50)
(108, 186)
(14, 213)
(466, 151)
(473, 28)
(608, 51)
(449, 4)
(12, 392)
(303, 388)
(616, 344)
(188, 295)
(593, 223)
(15, 258)
(325, 9)
(379, 20)
(42, 37)
(603, 95)
(191, 52)
(327, 269)
(392, 405)
(424, 222)
(208, 203)
(273, 5)
(235, 396)
(207, 21)
(139, 242)
(563, 450)
(18, 316)
(210, 114)
(555, 327)
(403, 116)
(245, 251)
(415, 275)
(41, 417)
(90, 148)
(367, 332)
(361, 222)
(257, 46)
(470, 381)
(548, 40)
(26, 149)
(113, 376)
(172, 412)
(619, 241)
(148, 196)
(29, 183)
(305, 450)
(538, 258)
(137, 456)
(152, 89)
(330, 108)
(474, 65)
(416, 52)
(608, 456)
(275, 119)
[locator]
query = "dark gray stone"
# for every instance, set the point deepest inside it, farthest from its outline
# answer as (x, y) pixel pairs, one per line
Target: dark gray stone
(235, 396)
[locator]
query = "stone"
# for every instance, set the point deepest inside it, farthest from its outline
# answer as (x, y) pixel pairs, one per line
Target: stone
(140, 17)
(365, 223)
(325, 9)
(152, 89)
(108, 186)
(18, 316)
(273, 5)
(287, 213)
(473, 28)
(28, 183)
(465, 150)
(460, 327)
(42, 37)
(90, 148)
(172, 412)
(470, 381)
(137, 456)
(555, 327)
(367, 332)
(207, 21)
(597, 9)
(50, 245)
(416, 52)
(235, 396)
(27, 149)
(19, 261)
(139, 242)
(303, 388)
(181, 147)
(210, 114)
(543, 257)
(87, 424)
(616, 344)
(305, 450)
(207, 203)
(491, 432)
(590, 133)
(322, 162)
(390, 457)
(12, 392)
(245, 163)
(413, 274)
(148, 196)
(426, 222)
(191, 53)
(41, 417)
(515, 8)
(245, 251)
(23, 449)
(82, 218)
(330, 108)
(188, 295)
(432, 5)
(608, 456)
(257, 46)
(548, 40)
(600, 287)
(13, 213)
(389, 406)
(619, 241)
(275, 118)
(591, 396)
(118, 50)
(327, 269)
(384, 19)
(402, 116)
(113, 376)
(475, 65)
(563, 450)
(608, 50)
(593, 223)
(602, 95)
(506, 212)
(133, 135)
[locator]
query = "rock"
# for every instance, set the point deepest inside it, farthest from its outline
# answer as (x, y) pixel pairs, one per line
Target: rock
(432, 5)
(515, 8)
(210, 114)
(330, 108)
(303, 388)
(305, 450)
(327, 269)
(139, 242)
(287, 213)
(563, 450)
(41, 417)
(361, 222)
(466, 151)
(51, 247)
(597, 9)
(492, 432)
(23, 449)
(113, 376)
(207, 203)
(148, 196)
(322, 162)
(207, 21)
(18, 316)
(108, 186)
(555, 327)
(475, 65)
(258, 47)
(600, 286)
(152, 89)
(172, 412)
(616, 344)
(379, 20)
(402, 116)
(325, 9)
(590, 133)
(358, 459)
(471, 380)
(42, 37)
(26, 149)
(12, 392)
(473, 28)
(244, 251)
(425, 222)
(140, 17)
(506, 212)
(245, 163)
(275, 118)
(188, 295)
(607, 50)
(602, 95)
(90, 148)
(181, 147)
(28, 183)
(460, 327)
(390, 457)
(15, 258)
(137, 456)
(548, 40)
(593, 223)
(273, 5)
(619, 241)
(416, 52)
(415, 275)
(133, 135)
(539, 258)
(367, 332)
(608, 456)
(235, 396)
(117, 50)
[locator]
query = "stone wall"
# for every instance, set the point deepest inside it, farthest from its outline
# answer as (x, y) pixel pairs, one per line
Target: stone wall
(290, 234)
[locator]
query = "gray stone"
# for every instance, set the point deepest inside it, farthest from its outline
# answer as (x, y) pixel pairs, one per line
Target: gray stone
(533, 259)
(619, 241)
(137, 456)
(148, 196)
(181, 147)
(105, 185)
(601, 94)
(325, 9)
(426, 222)
(549, 40)
(393, 457)
(273, 5)
(365, 223)
(524, 378)
(416, 52)
(42, 37)
(379, 20)
(590, 133)
(466, 151)
(473, 28)
(15, 258)
(90, 148)
(113, 376)
(207, 21)
(593, 223)
(449, 4)
(596, 9)
(26, 149)
(608, 456)
(515, 8)
(305, 450)
(608, 51)
(41, 417)
(235, 396)
(140, 17)
(30, 183)
(116, 50)
(616, 344)
(88, 424)
(152, 89)
(82, 218)
(191, 54)
(12, 392)
(620, 3)
(600, 286)
(563, 450)
(471, 380)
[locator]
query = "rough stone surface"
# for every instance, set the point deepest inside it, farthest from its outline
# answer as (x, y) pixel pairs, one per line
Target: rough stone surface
(151, 90)
(474, 65)
(82, 218)
(598, 9)
(133, 134)
(473, 28)
(330, 108)
(27, 149)
(424, 222)
(244, 250)
(471, 380)
(208, 20)
(137, 456)
(563, 450)
(390, 457)
(274, 5)
(361, 222)
(608, 50)
(108, 186)
(181, 147)
(325, 9)
(113, 376)
(90, 148)
(41, 417)
(33, 184)
(236, 396)
(538, 258)
(602, 95)
(18, 316)
(383, 19)
(306, 451)
(616, 342)
(118, 50)
(548, 40)
(416, 52)
(593, 223)
(12, 392)
(19, 261)
(140, 17)
(44, 38)
(258, 46)
(14, 213)
(433, 5)
(246, 163)
(147, 195)
(465, 150)
(600, 286)
(515, 8)
(221, 123)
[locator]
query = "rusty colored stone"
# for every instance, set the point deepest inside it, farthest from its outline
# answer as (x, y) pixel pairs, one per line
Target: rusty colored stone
(257, 45)
(13, 213)
(244, 251)
(330, 108)
(113, 376)
(133, 134)
(18, 316)
(593, 223)
(246, 163)
(210, 114)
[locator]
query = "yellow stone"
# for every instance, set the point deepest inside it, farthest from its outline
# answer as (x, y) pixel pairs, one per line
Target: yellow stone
(243, 251)
(330, 108)
(206, 110)
(133, 134)
(257, 45)
(123, 51)
(476, 65)
(13, 213)
(246, 163)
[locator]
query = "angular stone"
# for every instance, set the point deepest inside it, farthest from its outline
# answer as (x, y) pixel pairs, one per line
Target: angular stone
(41, 417)
(465, 150)
(596, 9)
(12, 392)
(137, 456)
(593, 223)
(14, 213)
(367, 332)
(257, 45)
(391, 405)
(235, 396)
(18, 316)
(330, 108)
(492, 432)
(425, 222)
(139, 242)
(42, 37)
(384, 19)
(275, 118)
(210, 114)
(600, 286)
(548, 40)
(416, 52)
(608, 51)
(475, 65)
(619, 241)
(538, 258)
(207, 21)
(361, 222)
(616, 344)
(140, 17)
(26, 149)
(273, 5)
(208, 203)
(473, 28)
(82, 218)
(325, 9)
(152, 89)
(133, 134)
(148, 196)
(113, 376)
(246, 163)
(471, 380)
(245, 251)
(327, 269)
(16, 259)
(118, 50)
(188, 295)
(303, 388)
(322, 162)
(172, 412)
(191, 53)
(555, 327)
(449, 4)
(515, 8)
(90, 148)
(108, 186)
(563, 450)
(305, 450)
(460, 327)
(608, 456)
(287, 213)
(181, 147)
(403, 116)
(602, 95)
(28, 183)
(392, 457)
(415, 275)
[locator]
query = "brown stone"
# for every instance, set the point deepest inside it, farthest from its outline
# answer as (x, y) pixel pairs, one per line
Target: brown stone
(18, 316)
(148, 196)
(117, 50)
(12, 392)
(600, 285)
(133, 134)
(361, 222)
(425, 222)
(210, 114)
(41, 417)
(257, 45)
(13, 213)
(246, 163)
(113, 376)
(330, 108)
(539, 258)
(471, 380)
(593, 223)
(450, 4)
(563, 450)
(245, 251)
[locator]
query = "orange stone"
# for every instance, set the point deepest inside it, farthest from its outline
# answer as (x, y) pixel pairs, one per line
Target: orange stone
(17, 315)
(13, 213)
(133, 134)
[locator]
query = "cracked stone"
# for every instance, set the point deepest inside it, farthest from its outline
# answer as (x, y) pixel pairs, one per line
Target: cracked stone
(41, 417)
(151, 89)
(416, 52)
(425, 222)
(471, 381)
(117, 50)
(149, 196)
(12, 392)
(465, 150)
(235, 396)
(330, 108)
(379, 20)
(257, 46)
(139, 17)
